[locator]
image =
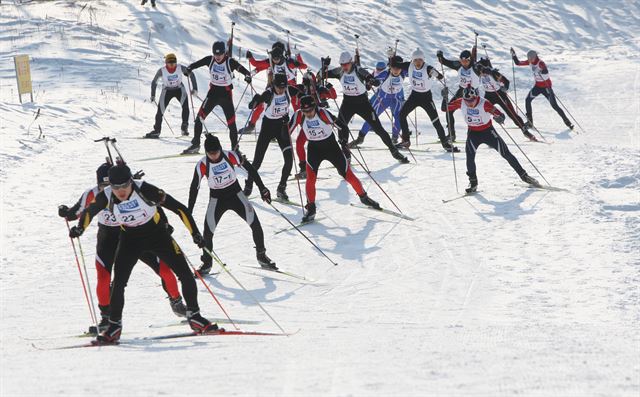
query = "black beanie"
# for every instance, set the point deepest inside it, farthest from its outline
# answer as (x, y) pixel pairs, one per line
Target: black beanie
(212, 143)
(119, 174)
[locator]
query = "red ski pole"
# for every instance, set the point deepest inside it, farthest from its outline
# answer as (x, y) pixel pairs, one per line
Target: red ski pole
(84, 287)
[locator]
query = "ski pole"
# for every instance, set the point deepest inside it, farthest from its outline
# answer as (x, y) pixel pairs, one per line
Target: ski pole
(525, 115)
(84, 286)
(391, 119)
(193, 110)
(449, 116)
(106, 145)
(215, 256)
(515, 89)
(241, 97)
(303, 235)
(197, 273)
(86, 276)
(525, 155)
(165, 119)
(565, 108)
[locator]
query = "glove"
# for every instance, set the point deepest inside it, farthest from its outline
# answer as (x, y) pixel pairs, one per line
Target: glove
(486, 70)
(138, 175)
(329, 86)
(63, 211)
(324, 103)
(249, 55)
(499, 118)
(152, 99)
(322, 90)
(375, 82)
(326, 61)
(247, 79)
(513, 52)
(254, 101)
(76, 231)
(266, 195)
(439, 55)
(187, 71)
(296, 63)
(445, 91)
(197, 239)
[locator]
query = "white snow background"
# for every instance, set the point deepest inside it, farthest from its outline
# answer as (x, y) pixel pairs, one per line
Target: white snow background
(512, 291)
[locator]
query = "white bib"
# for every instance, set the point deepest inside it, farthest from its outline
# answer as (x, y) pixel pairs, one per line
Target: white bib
(220, 75)
(279, 106)
(134, 211)
(221, 174)
(392, 85)
(284, 69)
(172, 80)
(105, 217)
(316, 129)
(468, 76)
(476, 116)
(489, 83)
(420, 81)
(351, 84)
(537, 73)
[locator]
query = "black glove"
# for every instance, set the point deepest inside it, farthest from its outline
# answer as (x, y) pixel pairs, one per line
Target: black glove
(296, 63)
(513, 52)
(375, 82)
(249, 55)
(439, 55)
(187, 71)
(329, 86)
(63, 211)
(254, 101)
(138, 175)
(197, 239)
(445, 91)
(326, 61)
(76, 231)
(499, 118)
(266, 195)
(324, 103)
(322, 90)
(247, 79)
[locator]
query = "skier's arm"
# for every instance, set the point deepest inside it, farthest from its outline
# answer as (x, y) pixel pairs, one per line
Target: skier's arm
(455, 105)
(242, 161)
(294, 121)
(334, 73)
(163, 199)
(203, 62)
(154, 82)
(198, 173)
(488, 106)
(235, 65)
(501, 79)
(300, 63)
(433, 72)
(194, 83)
(455, 65)
(260, 98)
(92, 210)
(474, 54)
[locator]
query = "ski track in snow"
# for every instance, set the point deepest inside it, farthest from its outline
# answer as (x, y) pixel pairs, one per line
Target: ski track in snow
(510, 291)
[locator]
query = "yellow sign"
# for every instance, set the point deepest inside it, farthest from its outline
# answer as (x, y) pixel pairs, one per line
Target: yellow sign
(23, 75)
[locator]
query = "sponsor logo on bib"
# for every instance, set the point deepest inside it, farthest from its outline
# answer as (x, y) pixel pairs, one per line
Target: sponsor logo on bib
(473, 111)
(219, 68)
(220, 168)
(129, 206)
(313, 123)
(281, 100)
(417, 75)
(349, 79)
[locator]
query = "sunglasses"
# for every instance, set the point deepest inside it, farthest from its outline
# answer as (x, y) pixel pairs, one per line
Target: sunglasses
(121, 185)
(308, 110)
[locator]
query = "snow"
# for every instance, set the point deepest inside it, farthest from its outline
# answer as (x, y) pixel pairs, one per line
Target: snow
(512, 291)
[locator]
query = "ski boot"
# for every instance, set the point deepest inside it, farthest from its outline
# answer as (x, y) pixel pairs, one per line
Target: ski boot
(112, 334)
(473, 184)
(526, 178)
(248, 129)
(569, 124)
(152, 135)
(529, 135)
(193, 149)
(153, 3)
(358, 141)
(104, 321)
(446, 145)
(394, 140)
(366, 200)
(184, 131)
(265, 262)
(144, 2)
(399, 156)
(179, 309)
(281, 193)
(302, 174)
(405, 143)
(200, 324)
(310, 214)
(528, 124)
(205, 269)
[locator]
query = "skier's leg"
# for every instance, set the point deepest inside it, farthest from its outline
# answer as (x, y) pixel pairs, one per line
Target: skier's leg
(163, 101)
(212, 217)
(241, 206)
(106, 246)
(506, 104)
(533, 93)
(184, 102)
(313, 164)
(551, 97)
(336, 157)
(261, 148)
(226, 103)
(284, 141)
(496, 142)
(395, 113)
(126, 257)
(366, 111)
(169, 283)
(375, 103)
(300, 141)
(205, 109)
(432, 112)
(406, 109)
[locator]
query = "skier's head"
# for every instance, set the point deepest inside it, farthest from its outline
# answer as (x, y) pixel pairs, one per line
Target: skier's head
(346, 61)
(280, 82)
(120, 180)
(465, 58)
(102, 174)
(308, 78)
(470, 95)
(219, 49)
(170, 59)
(396, 65)
(484, 62)
(277, 55)
(213, 147)
(308, 106)
(380, 66)
(278, 44)
(417, 57)
(532, 56)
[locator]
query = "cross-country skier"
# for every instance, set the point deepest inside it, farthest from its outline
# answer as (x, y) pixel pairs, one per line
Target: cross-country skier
(354, 80)
(381, 66)
(277, 100)
(542, 85)
(134, 205)
(321, 92)
(153, 3)
(317, 125)
(468, 74)
(217, 166)
(495, 91)
(107, 242)
(278, 62)
(478, 113)
(172, 87)
(221, 68)
(420, 75)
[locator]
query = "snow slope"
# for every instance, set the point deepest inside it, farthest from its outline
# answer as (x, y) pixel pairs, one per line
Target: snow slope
(512, 291)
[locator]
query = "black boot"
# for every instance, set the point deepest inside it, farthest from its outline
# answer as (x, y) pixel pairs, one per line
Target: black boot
(569, 124)
(473, 184)
(200, 324)
(358, 141)
(143, 2)
(249, 128)
(310, 214)
(265, 262)
(406, 142)
(399, 156)
(152, 135)
(111, 334)
(281, 192)
(303, 171)
(193, 149)
(178, 307)
(104, 321)
(184, 130)
(205, 269)
(526, 178)
(366, 200)
(446, 145)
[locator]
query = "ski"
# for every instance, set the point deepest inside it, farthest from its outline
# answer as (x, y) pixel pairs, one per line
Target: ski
(170, 156)
(89, 344)
(384, 211)
(459, 197)
(285, 273)
(369, 148)
(293, 178)
(213, 320)
(301, 224)
(287, 202)
(545, 187)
